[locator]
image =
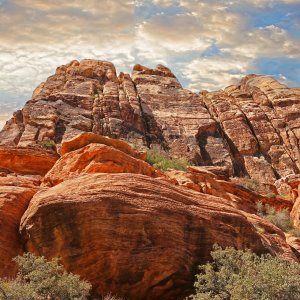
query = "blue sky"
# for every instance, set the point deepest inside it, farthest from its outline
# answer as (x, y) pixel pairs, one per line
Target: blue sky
(208, 44)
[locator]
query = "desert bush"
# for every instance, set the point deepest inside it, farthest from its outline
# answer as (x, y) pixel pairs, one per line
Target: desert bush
(41, 279)
(49, 145)
(163, 162)
(236, 274)
(251, 184)
(254, 185)
(280, 218)
(271, 195)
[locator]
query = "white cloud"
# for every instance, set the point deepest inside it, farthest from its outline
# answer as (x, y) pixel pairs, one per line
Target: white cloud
(269, 41)
(36, 36)
(214, 73)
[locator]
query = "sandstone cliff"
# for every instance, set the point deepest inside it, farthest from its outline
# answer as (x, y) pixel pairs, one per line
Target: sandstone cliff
(252, 128)
(71, 186)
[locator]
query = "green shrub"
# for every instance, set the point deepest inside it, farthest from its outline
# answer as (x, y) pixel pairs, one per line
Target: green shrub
(280, 218)
(49, 145)
(251, 184)
(161, 161)
(42, 279)
(270, 195)
(236, 275)
(254, 185)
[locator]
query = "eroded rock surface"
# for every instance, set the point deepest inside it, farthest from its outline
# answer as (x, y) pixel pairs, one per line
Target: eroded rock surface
(15, 193)
(26, 160)
(252, 129)
(138, 237)
(97, 154)
(135, 233)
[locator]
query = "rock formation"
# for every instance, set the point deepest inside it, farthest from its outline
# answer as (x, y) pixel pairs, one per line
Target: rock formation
(74, 177)
(136, 236)
(252, 128)
(15, 195)
(97, 154)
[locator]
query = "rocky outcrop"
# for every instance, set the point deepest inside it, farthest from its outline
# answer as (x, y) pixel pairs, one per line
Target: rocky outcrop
(26, 160)
(91, 153)
(139, 237)
(214, 182)
(15, 193)
(252, 129)
(117, 221)
(87, 138)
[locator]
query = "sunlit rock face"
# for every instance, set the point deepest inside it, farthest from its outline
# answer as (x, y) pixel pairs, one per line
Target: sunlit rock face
(137, 236)
(252, 128)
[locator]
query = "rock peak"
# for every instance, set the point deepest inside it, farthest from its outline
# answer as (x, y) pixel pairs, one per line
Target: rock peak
(252, 128)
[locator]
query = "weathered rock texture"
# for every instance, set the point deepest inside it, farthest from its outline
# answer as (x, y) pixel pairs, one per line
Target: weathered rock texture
(202, 180)
(92, 153)
(26, 160)
(135, 233)
(139, 237)
(15, 194)
(251, 129)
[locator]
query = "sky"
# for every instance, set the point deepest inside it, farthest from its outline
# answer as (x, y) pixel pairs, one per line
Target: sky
(208, 44)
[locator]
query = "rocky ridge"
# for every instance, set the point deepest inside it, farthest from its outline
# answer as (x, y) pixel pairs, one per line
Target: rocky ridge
(252, 128)
(75, 183)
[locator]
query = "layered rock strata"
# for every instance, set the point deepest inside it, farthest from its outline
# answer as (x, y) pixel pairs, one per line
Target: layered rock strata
(139, 237)
(252, 128)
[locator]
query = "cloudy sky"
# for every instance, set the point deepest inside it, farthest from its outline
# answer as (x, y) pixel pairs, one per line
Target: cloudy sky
(208, 44)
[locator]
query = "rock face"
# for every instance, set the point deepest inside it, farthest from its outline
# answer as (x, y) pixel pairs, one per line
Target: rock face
(26, 160)
(117, 221)
(138, 237)
(251, 129)
(97, 154)
(15, 194)
(202, 180)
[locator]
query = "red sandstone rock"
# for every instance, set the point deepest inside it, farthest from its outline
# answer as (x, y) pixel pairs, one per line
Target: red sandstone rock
(97, 158)
(15, 194)
(88, 138)
(251, 129)
(26, 160)
(136, 236)
(203, 180)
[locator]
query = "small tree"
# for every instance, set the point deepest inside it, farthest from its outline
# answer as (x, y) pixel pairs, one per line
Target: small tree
(42, 279)
(236, 274)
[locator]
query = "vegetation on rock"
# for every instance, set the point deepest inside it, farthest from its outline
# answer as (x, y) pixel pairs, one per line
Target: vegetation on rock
(236, 274)
(280, 218)
(42, 279)
(49, 145)
(163, 162)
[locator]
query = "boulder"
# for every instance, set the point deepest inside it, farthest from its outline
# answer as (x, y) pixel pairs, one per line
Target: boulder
(15, 194)
(26, 160)
(136, 236)
(97, 158)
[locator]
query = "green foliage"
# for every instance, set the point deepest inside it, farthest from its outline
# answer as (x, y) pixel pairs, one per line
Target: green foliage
(254, 185)
(49, 145)
(280, 218)
(287, 197)
(270, 195)
(163, 162)
(42, 279)
(251, 184)
(236, 274)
